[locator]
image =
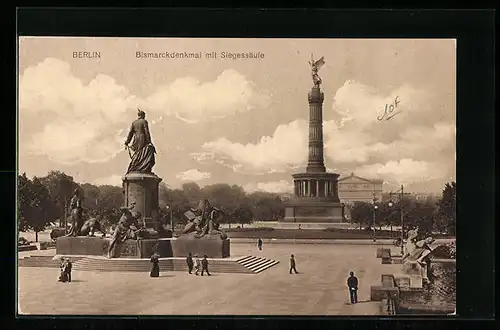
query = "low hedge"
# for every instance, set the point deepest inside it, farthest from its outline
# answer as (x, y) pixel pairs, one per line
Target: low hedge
(382, 233)
(249, 229)
(306, 234)
(315, 234)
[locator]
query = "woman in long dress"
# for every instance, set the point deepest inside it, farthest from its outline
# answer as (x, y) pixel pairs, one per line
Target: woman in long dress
(155, 269)
(63, 275)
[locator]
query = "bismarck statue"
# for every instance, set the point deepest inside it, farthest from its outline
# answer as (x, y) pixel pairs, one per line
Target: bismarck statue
(140, 184)
(143, 157)
(204, 220)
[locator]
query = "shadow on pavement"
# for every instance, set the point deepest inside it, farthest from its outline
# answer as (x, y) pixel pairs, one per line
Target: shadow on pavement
(359, 302)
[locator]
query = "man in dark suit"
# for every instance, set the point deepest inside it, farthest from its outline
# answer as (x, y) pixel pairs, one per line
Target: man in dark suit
(352, 284)
(190, 263)
(69, 266)
(292, 264)
(204, 265)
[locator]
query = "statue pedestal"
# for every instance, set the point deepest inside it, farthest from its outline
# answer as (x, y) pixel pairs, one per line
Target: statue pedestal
(211, 245)
(98, 246)
(142, 189)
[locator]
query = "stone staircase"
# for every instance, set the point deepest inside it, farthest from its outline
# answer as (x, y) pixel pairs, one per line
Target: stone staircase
(256, 264)
(41, 261)
(243, 265)
(104, 264)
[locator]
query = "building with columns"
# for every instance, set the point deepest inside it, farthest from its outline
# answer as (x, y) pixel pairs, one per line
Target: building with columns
(316, 196)
(354, 188)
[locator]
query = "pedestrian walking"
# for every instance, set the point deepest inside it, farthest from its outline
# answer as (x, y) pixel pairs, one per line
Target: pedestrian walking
(292, 264)
(204, 265)
(196, 265)
(190, 263)
(69, 267)
(259, 244)
(155, 269)
(352, 284)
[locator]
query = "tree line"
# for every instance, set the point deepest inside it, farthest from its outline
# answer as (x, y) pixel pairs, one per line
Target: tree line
(44, 201)
(429, 215)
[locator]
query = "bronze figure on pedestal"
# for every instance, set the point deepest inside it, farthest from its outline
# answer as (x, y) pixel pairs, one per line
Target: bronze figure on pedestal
(143, 158)
(204, 220)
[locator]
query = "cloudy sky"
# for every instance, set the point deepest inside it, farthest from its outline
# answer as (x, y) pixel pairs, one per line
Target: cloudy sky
(240, 121)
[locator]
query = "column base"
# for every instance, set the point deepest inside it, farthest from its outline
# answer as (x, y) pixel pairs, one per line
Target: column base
(314, 212)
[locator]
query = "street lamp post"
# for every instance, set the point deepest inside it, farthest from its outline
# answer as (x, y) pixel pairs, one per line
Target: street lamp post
(401, 196)
(375, 207)
(171, 218)
(65, 215)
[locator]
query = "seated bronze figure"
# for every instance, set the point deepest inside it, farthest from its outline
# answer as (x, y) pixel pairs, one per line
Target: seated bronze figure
(204, 220)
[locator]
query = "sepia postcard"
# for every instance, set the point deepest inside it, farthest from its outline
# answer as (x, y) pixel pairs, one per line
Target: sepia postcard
(296, 176)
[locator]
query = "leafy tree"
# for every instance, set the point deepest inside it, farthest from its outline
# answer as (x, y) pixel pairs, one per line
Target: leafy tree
(60, 187)
(226, 197)
(266, 206)
(192, 191)
(110, 200)
(91, 194)
(423, 216)
(163, 194)
(35, 206)
(386, 215)
(362, 213)
(174, 200)
(45, 206)
(426, 226)
(25, 201)
(447, 209)
(242, 215)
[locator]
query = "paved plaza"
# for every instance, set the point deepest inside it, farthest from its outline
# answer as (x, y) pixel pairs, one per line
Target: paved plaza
(318, 289)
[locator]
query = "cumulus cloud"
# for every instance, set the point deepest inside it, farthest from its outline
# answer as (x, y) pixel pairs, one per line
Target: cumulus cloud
(71, 121)
(285, 149)
(192, 100)
(193, 175)
(279, 187)
(412, 145)
(405, 170)
(112, 180)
